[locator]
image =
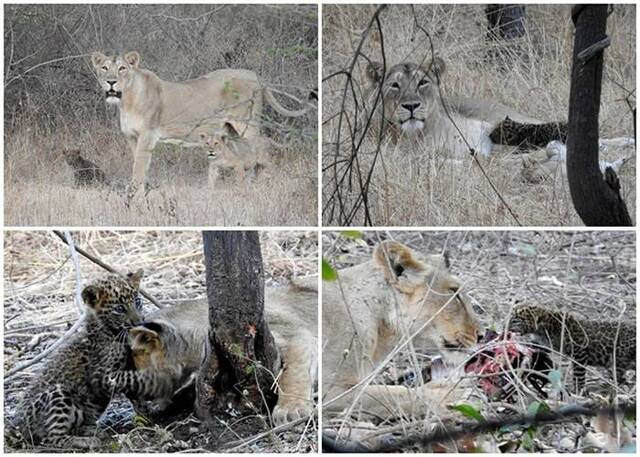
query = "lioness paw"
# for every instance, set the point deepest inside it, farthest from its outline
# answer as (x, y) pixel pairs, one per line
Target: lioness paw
(290, 410)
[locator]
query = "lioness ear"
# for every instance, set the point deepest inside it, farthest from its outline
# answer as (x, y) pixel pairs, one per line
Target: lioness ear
(135, 277)
(394, 258)
(132, 58)
(230, 131)
(97, 59)
(375, 72)
(142, 336)
(437, 66)
(93, 297)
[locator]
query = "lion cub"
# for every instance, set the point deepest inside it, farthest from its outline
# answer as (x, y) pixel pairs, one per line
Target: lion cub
(171, 342)
(228, 150)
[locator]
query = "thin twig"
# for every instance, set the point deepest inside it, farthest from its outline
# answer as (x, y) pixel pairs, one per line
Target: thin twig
(109, 268)
(76, 264)
(9, 374)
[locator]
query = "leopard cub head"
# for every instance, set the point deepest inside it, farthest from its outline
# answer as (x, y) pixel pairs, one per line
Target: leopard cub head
(114, 300)
(525, 319)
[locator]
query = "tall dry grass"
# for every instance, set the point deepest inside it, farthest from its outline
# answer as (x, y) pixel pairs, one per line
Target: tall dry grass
(417, 189)
(39, 187)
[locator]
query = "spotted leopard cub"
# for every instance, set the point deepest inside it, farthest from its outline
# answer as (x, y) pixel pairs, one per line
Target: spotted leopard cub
(76, 384)
(528, 136)
(587, 342)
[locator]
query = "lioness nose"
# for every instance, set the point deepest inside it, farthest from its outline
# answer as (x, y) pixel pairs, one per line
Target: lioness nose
(111, 83)
(411, 107)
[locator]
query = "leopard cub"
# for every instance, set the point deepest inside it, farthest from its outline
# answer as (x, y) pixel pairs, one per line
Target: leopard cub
(77, 382)
(587, 342)
(528, 136)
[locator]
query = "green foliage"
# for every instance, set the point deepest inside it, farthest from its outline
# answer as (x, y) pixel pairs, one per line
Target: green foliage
(469, 411)
(537, 407)
(555, 377)
(328, 272)
(355, 234)
(228, 89)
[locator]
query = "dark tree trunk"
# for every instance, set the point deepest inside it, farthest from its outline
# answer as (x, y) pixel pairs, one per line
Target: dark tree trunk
(597, 200)
(241, 355)
(505, 22)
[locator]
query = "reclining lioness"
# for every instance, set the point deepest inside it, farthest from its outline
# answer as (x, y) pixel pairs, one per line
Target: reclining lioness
(371, 309)
(171, 344)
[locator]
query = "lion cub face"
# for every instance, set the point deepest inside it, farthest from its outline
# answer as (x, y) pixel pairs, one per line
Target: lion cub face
(409, 92)
(115, 73)
(427, 291)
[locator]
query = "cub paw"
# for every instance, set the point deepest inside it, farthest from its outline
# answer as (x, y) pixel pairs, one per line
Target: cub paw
(291, 409)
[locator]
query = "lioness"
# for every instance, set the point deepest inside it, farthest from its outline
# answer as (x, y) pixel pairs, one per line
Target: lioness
(153, 110)
(414, 109)
(171, 341)
(226, 149)
(375, 306)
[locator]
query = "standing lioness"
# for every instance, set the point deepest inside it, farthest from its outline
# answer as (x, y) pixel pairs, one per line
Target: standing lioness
(153, 110)
(375, 306)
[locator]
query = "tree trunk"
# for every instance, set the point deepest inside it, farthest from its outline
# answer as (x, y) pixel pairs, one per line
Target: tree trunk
(505, 22)
(597, 200)
(241, 358)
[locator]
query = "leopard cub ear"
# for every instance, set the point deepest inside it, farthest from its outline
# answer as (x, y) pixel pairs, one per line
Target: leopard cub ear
(135, 277)
(93, 297)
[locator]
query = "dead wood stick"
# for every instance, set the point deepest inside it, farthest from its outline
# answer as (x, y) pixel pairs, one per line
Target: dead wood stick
(44, 353)
(109, 268)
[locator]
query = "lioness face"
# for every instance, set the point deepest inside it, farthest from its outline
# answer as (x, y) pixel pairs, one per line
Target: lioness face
(115, 73)
(409, 92)
(428, 291)
(146, 346)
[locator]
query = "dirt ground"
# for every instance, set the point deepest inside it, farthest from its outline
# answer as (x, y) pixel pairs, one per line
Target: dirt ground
(422, 187)
(39, 283)
(591, 274)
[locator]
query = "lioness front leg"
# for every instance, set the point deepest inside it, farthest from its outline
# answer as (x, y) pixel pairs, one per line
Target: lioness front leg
(295, 386)
(141, 161)
(396, 401)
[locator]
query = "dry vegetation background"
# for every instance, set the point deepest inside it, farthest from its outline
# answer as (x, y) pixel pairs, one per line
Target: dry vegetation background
(429, 191)
(39, 284)
(52, 102)
(591, 274)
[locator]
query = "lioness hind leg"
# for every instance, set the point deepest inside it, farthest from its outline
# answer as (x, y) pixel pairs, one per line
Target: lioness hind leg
(295, 386)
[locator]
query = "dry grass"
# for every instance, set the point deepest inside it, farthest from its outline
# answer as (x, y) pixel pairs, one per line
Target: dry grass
(39, 282)
(591, 274)
(410, 188)
(39, 186)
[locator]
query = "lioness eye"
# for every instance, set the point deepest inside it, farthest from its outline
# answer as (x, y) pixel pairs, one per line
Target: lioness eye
(423, 82)
(395, 86)
(105, 68)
